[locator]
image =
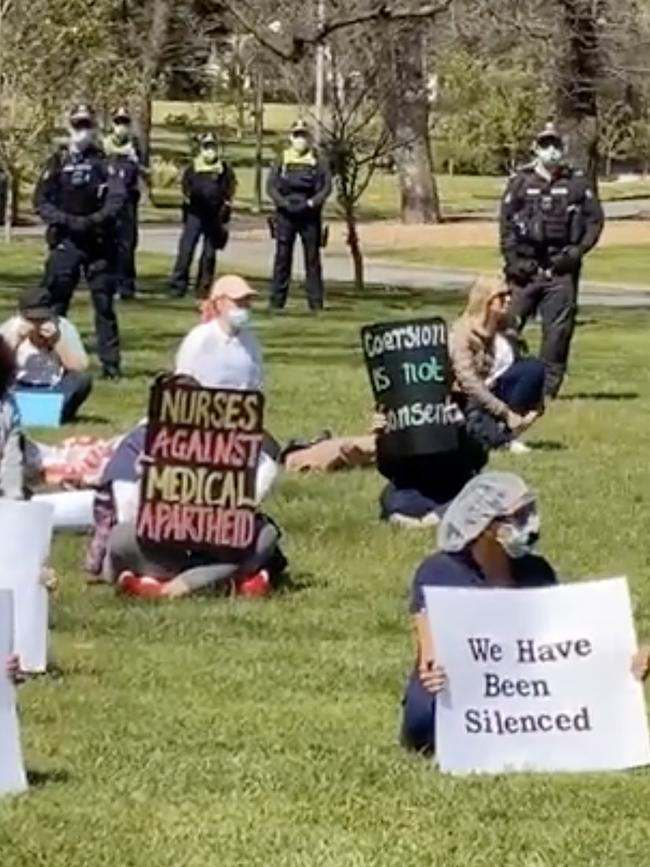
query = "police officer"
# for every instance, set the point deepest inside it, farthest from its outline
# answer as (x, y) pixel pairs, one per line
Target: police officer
(208, 189)
(550, 218)
(121, 147)
(298, 186)
(79, 195)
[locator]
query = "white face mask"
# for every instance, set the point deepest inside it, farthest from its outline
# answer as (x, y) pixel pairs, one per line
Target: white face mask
(300, 144)
(518, 539)
(122, 131)
(550, 156)
(238, 317)
(82, 137)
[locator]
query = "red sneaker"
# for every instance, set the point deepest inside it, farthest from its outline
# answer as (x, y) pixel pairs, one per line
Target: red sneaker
(140, 585)
(255, 586)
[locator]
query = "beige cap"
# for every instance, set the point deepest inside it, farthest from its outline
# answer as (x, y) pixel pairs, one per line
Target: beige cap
(233, 287)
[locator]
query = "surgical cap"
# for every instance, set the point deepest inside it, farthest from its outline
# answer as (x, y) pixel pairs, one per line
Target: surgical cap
(485, 497)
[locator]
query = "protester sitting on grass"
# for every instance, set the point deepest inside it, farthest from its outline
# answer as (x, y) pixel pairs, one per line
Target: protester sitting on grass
(12, 457)
(501, 396)
(50, 355)
(486, 540)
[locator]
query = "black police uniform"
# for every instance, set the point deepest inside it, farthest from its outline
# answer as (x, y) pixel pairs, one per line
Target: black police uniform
(298, 186)
(547, 226)
(79, 196)
(126, 157)
(208, 189)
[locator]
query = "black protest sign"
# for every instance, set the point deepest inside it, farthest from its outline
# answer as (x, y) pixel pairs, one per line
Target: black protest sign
(201, 453)
(408, 365)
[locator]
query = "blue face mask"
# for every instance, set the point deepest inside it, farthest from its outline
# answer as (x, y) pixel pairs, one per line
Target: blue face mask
(238, 317)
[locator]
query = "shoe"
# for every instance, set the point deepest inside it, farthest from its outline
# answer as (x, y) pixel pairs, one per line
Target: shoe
(109, 372)
(140, 585)
(127, 296)
(176, 292)
(255, 586)
(431, 519)
(518, 448)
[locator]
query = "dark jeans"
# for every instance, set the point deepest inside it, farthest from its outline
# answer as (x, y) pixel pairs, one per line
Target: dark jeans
(418, 717)
(556, 300)
(287, 228)
(126, 237)
(521, 387)
(193, 230)
(67, 260)
(75, 388)
(407, 501)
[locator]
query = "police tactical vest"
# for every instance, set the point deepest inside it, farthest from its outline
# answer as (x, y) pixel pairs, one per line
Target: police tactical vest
(550, 213)
(299, 175)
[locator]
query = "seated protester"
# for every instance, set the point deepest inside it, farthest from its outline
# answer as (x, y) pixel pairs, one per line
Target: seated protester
(50, 355)
(499, 395)
(222, 351)
(12, 457)
(486, 541)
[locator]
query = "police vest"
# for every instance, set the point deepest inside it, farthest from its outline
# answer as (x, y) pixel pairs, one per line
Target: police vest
(549, 214)
(299, 174)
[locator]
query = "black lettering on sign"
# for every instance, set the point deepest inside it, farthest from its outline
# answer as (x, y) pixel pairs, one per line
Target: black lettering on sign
(202, 448)
(410, 375)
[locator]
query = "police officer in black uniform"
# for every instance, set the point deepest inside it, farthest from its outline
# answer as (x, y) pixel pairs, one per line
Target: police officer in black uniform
(298, 185)
(208, 189)
(79, 195)
(121, 147)
(550, 218)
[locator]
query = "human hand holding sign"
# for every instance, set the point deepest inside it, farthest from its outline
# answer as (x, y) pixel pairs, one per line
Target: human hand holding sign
(433, 677)
(641, 663)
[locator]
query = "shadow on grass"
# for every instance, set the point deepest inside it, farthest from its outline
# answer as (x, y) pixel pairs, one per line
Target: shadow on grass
(601, 395)
(39, 779)
(547, 446)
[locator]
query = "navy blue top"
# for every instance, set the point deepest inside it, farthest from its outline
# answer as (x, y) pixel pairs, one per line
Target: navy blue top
(461, 570)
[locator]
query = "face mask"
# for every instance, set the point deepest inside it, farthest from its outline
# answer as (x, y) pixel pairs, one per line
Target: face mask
(121, 132)
(210, 155)
(81, 137)
(518, 540)
(238, 317)
(550, 156)
(300, 144)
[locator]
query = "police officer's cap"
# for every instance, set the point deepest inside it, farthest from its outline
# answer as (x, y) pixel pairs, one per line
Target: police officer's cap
(123, 114)
(208, 138)
(82, 113)
(549, 135)
(300, 127)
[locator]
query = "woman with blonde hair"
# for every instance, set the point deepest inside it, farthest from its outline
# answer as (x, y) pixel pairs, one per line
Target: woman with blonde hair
(501, 396)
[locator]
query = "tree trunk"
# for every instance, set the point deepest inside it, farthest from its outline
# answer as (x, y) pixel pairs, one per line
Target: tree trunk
(10, 204)
(354, 243)
(406, 113)
(152, 54)
(259, 138)
(579, 69)
(608, 165)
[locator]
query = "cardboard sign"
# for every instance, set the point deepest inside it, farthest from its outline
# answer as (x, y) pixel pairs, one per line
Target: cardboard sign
(25, 544)
(539, 680)
(410, 375)
(202, 449)
(12, 772)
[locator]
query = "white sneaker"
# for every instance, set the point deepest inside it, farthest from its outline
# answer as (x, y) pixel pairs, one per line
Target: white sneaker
(518, 448)
(431, 519)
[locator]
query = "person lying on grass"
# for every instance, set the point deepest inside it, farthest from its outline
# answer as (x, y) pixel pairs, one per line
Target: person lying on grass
(486, 540)
(500, 395)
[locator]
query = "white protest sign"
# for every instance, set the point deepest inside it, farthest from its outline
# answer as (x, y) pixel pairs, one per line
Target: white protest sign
(12, 772)
(539, 679)
(25, 536)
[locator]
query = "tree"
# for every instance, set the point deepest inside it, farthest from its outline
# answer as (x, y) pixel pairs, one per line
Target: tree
(615, 132)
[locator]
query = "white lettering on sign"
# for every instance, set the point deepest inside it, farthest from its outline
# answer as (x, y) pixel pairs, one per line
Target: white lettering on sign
(539, 679)
(403, 337)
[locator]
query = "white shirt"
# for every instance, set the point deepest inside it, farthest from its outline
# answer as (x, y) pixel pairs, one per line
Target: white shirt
(219, 360)
(42, 366)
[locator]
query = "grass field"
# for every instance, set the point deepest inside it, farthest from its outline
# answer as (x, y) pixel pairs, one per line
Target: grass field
(624, 264)
(264, 734)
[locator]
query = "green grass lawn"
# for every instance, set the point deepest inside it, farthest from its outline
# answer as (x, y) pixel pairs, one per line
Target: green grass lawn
(625, 264)
(264, 734)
